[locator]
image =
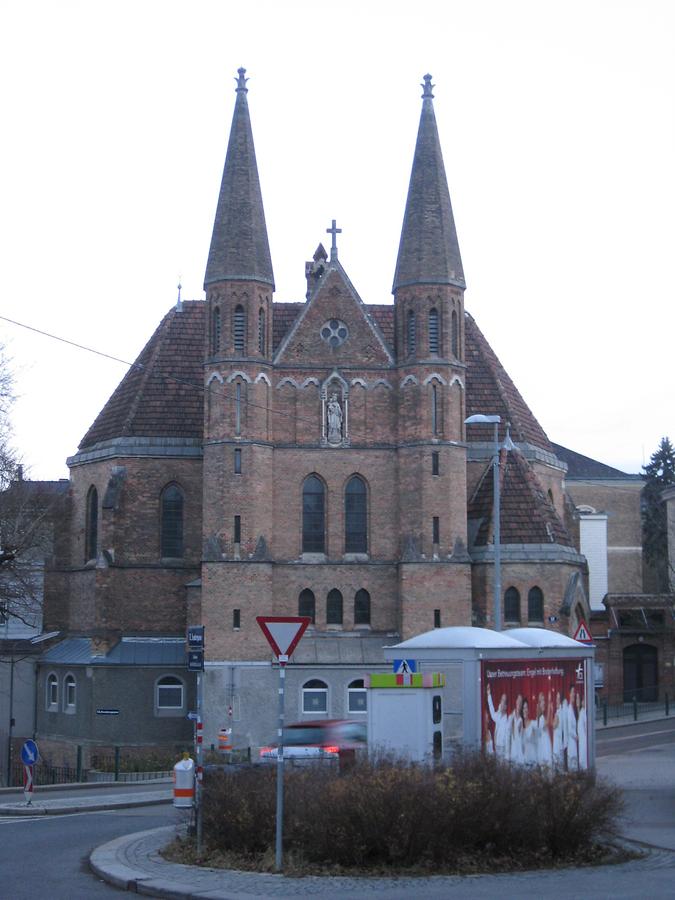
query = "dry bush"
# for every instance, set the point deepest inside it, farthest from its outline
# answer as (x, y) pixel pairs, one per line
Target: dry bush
(385, 813)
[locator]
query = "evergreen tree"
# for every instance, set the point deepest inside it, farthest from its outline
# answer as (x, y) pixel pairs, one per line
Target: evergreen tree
(659, 474)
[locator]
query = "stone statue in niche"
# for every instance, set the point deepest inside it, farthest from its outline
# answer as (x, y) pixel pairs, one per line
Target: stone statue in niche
(334, 414)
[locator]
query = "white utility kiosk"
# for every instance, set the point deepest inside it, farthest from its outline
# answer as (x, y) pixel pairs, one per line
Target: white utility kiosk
(525, 694)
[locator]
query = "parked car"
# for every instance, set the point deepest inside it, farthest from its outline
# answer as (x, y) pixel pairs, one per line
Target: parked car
(323, 741)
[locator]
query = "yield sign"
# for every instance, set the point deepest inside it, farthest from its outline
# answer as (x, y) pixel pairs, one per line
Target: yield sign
(283, 633)
(582, 634)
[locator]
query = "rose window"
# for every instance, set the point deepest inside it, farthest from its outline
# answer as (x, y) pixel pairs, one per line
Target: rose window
(334, 332)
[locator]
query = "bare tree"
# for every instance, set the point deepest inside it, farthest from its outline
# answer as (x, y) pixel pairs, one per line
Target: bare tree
(27, 511)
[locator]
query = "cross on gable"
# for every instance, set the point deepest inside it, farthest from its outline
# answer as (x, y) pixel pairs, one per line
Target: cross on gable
(333, 231)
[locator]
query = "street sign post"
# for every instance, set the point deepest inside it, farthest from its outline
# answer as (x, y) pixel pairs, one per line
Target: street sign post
(283, 634)
(29, 756)
(195, 663)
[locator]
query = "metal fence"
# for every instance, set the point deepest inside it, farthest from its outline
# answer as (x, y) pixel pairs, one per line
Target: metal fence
(631, 708)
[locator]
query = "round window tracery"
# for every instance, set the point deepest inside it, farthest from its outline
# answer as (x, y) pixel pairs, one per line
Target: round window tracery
(334, 332)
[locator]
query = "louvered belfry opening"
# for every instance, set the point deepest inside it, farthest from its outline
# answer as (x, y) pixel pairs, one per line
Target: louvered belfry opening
(239, 329)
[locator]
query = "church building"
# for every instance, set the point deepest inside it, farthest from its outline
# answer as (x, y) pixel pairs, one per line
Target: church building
(312, 458)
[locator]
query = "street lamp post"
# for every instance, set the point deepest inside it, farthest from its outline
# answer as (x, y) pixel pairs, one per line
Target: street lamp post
(494, 420)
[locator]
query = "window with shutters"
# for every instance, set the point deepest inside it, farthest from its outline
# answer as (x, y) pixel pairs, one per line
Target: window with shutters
(215, 333)
(434, 341)
(356, 516)
(261, 331)
(454, 334)
(313, 515)
(91, 528)
(239, 329)
(171, 541)
(411, 333)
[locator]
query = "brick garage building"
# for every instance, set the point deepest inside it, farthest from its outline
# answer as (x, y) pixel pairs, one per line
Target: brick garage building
(308, 457)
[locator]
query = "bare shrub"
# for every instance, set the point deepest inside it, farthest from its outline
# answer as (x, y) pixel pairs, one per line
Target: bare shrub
(386, 813)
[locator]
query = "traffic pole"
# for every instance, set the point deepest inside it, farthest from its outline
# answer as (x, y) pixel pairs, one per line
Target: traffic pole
(28, 784)
(199, 768)
(283, 659)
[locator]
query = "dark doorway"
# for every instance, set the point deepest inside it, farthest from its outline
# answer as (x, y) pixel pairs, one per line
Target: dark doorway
(640, 673)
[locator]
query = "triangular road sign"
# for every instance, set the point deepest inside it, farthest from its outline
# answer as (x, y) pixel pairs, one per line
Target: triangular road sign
(283, 633)
(582, 634)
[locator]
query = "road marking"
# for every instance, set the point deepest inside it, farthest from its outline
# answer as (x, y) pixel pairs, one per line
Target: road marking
(634, 737)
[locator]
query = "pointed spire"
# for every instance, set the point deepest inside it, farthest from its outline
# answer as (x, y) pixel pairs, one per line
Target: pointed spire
(428, 252)
(239, 249)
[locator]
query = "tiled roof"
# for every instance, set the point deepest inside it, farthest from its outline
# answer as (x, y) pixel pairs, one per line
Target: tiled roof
(580, 466)
(283, 316)
(162, 394)
(489, 390)
(383, 315)
(527, 514)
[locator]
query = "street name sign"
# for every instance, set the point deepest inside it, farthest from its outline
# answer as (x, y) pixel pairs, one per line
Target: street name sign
(195, 637)
(283, 633)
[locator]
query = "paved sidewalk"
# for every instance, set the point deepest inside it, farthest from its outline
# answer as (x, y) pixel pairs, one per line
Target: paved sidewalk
(133, 863)
(58, 806)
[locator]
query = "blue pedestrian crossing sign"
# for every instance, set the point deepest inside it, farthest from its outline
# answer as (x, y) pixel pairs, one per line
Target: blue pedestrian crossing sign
(405, 666)
(29, 753)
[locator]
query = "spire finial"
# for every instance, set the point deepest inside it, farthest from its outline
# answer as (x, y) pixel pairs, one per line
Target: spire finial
(428, 88)
(241, 81)
(179, 302)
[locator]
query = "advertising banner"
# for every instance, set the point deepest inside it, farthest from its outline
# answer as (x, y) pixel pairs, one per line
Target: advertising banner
(534, 712)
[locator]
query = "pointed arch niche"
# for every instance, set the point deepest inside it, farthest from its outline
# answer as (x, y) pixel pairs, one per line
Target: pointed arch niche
(335, 390)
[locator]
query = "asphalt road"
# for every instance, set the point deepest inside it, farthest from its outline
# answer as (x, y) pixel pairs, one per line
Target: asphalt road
(48, 856)
(643, 736)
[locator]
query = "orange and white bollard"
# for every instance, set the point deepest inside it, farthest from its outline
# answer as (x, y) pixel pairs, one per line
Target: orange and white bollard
(184, 783)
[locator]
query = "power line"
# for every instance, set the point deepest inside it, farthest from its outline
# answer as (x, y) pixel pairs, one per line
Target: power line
(167, 376)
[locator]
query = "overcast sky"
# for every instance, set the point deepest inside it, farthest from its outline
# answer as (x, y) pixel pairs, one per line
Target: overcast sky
(558, 133)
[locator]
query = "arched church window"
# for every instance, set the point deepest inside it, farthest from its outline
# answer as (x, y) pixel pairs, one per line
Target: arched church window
(511, 605)
(362, 607)
(411, 333)
(215, 332)
(535, 605)
(261, 330)
(313, 515)
(171, 540)
(239, 329)
(356, 516)
(434, 342)
(334, 607)
(454, 334)
(307, 604)
(91, 526)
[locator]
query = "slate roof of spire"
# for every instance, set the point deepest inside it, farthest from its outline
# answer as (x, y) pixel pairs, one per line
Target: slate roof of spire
(527, 514)
(239, 248)
(429, 251)
(489, 390)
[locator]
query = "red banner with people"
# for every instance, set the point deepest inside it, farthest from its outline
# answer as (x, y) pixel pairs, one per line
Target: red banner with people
(534, 712)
